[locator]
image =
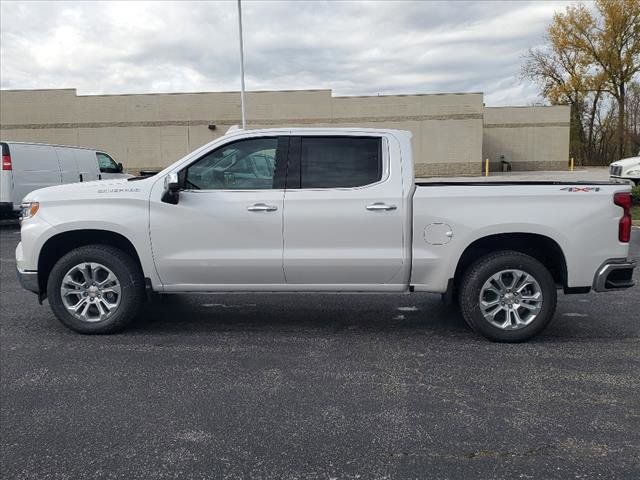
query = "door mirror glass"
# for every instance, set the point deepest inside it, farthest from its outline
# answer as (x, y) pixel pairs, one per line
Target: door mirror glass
(120, 167)
(171, 189)
(172, 182)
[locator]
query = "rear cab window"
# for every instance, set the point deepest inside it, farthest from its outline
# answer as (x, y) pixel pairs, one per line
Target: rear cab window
(340, 162)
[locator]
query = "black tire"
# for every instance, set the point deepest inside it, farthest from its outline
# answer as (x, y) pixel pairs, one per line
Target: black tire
(481, 271)
(123, 267)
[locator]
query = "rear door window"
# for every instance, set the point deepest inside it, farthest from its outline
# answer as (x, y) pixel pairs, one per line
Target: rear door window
(340, 162)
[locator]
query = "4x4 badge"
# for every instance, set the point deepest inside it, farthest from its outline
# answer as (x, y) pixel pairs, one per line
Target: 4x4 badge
(581, 189)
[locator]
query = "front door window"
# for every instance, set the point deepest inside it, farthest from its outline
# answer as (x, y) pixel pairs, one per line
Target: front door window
(243, 165)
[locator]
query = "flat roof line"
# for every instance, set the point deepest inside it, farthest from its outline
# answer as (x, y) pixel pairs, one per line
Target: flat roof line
(310, 90)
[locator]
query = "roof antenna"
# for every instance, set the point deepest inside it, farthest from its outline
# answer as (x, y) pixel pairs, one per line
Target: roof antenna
(244, 121)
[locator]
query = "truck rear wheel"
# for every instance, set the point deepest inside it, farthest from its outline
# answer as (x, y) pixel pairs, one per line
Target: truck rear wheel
(96, 289)
(508, 296)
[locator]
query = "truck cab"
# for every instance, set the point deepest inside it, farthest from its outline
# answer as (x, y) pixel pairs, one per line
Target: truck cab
(626, 170)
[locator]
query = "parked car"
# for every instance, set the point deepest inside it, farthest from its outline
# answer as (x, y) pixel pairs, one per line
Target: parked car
(626, 170)
(30, 166)
(341, 212)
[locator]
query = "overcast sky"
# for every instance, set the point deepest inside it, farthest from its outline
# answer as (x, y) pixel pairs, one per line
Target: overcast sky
(354, 48)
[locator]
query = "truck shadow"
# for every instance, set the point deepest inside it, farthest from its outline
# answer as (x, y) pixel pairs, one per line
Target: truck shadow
(354, 314)
(302, 312)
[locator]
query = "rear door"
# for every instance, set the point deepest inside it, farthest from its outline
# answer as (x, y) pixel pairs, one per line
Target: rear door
(344, 215)
(34, 166)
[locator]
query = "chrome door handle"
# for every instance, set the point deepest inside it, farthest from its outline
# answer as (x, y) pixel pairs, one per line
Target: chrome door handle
(262, 207)
(379, 206)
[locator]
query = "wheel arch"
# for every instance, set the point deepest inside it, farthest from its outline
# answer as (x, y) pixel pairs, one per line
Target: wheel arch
(62, 243)
(541, 247)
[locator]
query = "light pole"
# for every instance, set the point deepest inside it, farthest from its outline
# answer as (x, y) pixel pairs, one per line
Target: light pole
(244, 121)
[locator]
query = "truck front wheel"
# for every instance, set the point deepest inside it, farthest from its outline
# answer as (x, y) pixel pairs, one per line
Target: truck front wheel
(96, 289)
(508, 296)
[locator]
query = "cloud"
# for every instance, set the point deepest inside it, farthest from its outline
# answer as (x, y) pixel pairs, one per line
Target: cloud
(354, 48)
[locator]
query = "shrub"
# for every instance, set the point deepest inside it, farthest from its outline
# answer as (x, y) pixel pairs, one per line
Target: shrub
(635, 194)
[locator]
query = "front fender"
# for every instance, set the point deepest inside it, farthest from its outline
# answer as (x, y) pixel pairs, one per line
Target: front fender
(129, 219)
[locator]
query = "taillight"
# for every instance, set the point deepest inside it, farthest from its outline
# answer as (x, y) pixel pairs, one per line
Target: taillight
(624, 229)
(6, 162)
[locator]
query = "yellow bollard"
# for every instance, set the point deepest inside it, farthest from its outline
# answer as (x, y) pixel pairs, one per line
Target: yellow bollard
(572, 164)
(486, 167)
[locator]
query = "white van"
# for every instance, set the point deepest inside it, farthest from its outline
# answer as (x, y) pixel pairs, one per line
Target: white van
(29, 166)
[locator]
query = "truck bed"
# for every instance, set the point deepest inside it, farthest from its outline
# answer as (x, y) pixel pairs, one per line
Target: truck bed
(482, 183)
(449, 215)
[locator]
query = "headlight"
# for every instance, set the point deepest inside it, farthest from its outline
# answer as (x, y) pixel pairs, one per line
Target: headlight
(29, 209)
(635, 171)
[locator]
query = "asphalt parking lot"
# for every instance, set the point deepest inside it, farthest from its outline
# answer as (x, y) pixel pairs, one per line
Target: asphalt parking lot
(318, 386)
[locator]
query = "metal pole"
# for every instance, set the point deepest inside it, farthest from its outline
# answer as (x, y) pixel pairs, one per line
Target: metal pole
(244, 120)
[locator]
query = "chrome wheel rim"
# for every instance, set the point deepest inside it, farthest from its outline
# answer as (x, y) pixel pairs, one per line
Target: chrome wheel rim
(90, 292)
(511, 299)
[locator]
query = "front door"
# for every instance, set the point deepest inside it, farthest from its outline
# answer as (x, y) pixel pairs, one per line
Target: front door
(225, 232)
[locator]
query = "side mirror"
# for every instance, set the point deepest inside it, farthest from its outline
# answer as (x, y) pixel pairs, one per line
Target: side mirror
(120, 168)
(171, 189)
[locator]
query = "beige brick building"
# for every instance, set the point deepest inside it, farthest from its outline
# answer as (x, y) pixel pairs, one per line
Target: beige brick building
(532, 138)
(453, 133)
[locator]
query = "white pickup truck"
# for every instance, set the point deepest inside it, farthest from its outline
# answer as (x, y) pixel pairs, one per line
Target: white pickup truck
(314, 210)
